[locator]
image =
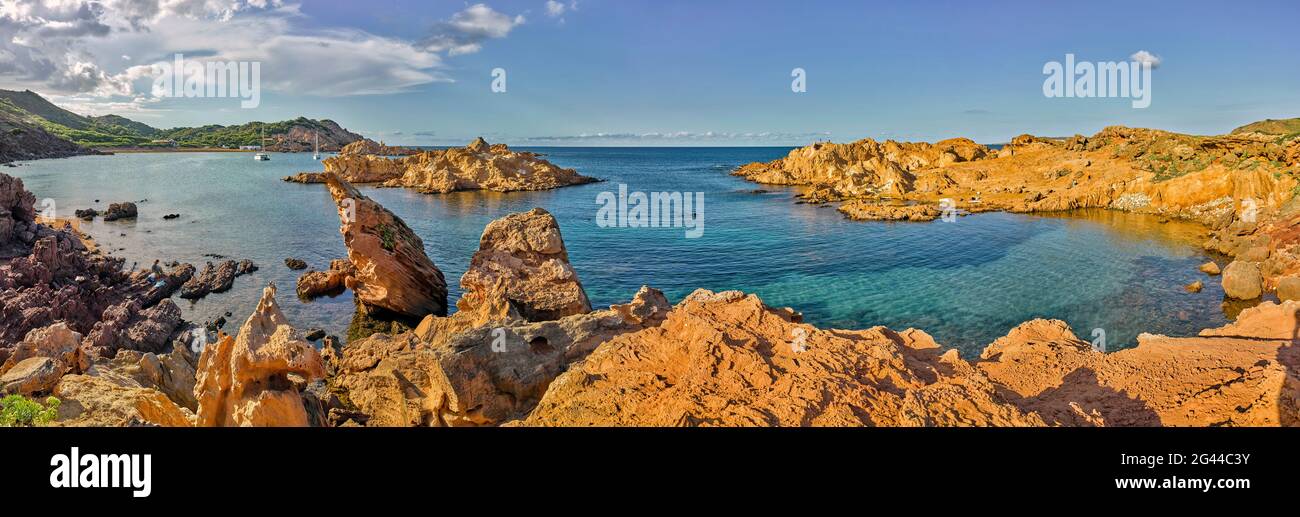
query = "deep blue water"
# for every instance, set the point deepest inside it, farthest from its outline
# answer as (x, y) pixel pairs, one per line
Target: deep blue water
(965, 282)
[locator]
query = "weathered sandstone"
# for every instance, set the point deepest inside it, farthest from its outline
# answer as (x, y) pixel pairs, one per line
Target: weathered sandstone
(478, 166)
(391, 270)
(253, 379)
(525, 252)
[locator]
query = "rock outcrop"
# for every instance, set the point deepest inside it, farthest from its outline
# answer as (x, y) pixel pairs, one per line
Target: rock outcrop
(391, 270)
(478, 166)
(331, 282)
(525, 254)
(17, 217)
(523, 319)
(255, 378)
(726, 359)
(367, 146)
(1242, 374)
(456, 372)
(217, 278)
(125, 210)
(1206, 179)
(90, 401)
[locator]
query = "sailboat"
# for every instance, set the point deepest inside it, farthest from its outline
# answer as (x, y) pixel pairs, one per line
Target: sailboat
(315, 155)
(261, 156)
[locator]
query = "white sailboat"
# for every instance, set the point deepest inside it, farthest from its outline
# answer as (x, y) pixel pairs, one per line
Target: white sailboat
(261, 156)
(315, 155)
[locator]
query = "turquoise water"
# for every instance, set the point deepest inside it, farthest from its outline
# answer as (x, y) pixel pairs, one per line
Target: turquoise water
(965, 282)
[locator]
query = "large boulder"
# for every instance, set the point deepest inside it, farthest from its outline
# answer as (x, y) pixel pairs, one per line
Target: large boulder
(255, 378)
(1242, 280)
(31, 375)
(392, 272)
(525, 253)
(460, 371)
(58, 342)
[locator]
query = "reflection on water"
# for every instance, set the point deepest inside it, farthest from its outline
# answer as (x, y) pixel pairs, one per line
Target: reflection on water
(966, 282)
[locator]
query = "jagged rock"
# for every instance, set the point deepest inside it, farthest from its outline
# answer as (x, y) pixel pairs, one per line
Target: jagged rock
(295, 264)
(89, 401)
(314, 284)
(305, 177)
(125, 210)
(248, 380)
(465, 374)
(57, 342)
(216, 279)
(367, 146)
(86, 214)
(392, 271)
(126, 326)
(1242, 280)
(726, 359)
(525, 252)
(172, 373)
(1237, 375)
(16, 208)
(30, 376)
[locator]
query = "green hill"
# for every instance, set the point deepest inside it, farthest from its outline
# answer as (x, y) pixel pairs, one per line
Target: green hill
(111, 131)
(1285, 129)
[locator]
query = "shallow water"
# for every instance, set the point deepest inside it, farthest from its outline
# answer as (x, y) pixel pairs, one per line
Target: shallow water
(966, 282)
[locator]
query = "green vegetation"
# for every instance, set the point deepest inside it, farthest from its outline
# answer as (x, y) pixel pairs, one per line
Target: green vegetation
(387, 236)
(116, 131)
(1287, 128)
(246, 134)
(19, 411)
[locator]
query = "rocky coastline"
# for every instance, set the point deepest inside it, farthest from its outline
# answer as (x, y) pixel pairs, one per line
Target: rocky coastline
(478, 166)
(526, 348)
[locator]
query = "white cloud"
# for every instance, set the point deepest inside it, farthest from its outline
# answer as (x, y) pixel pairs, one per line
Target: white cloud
(1143, 56)
(82, 50)
(468, 29)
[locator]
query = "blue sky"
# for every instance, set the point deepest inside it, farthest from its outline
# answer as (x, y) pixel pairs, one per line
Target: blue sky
(628, 72)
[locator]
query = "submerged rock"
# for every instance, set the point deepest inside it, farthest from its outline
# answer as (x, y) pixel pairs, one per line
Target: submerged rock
(295, 264)
(125, 210)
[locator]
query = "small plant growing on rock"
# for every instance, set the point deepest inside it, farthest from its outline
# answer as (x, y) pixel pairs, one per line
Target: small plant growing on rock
(19, 411)
(387, 237)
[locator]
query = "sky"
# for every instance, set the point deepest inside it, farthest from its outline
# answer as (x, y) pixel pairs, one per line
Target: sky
(663, 72)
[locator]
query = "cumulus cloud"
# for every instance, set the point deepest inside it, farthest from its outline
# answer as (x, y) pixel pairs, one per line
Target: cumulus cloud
(466, 31)
(1143, 56)
(81, 50)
